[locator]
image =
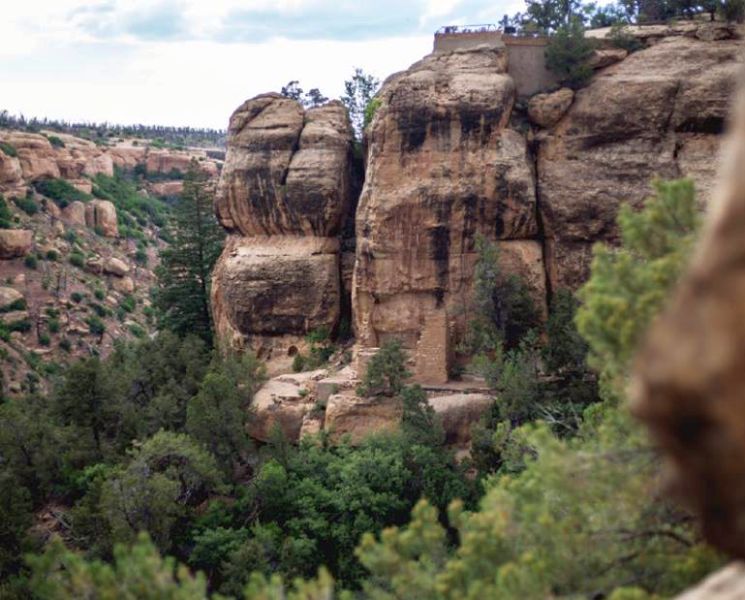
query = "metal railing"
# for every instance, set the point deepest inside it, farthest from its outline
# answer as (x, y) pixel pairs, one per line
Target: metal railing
(456, 29)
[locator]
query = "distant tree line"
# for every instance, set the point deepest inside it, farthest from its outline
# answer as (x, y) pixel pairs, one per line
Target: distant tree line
(551, 16)
(102, 132)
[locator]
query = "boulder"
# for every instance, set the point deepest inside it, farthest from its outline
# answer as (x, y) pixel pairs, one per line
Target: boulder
(545, 110)
(281, 404)
(358, 418)
(115, 266)
(648, 116)
(74, 213)
(458, 413)
(607, 57)
(15, 242)
(712, 32)
(11, 173)
(727, 583)
(101, 215)
(166, 161)
(269, 292)
(124, 285)
(8, 297)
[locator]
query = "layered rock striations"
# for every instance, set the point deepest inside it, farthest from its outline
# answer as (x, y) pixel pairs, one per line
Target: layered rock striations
(285, 188)
(658, 113)
(443, 167)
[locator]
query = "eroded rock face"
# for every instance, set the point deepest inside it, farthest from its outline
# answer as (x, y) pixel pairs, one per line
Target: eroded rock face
(658, 113)
(270, 291)
(284, 189)
(545, 110)
(690, 375)
(101, 214)
(15, 242)
(287, 172)
(443, 168)
(11, 173)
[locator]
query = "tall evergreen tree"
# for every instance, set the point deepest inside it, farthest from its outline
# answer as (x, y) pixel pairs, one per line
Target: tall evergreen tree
(183, 294)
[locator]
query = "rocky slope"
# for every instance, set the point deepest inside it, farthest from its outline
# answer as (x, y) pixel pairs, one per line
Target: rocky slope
(76, 270)
(449, 157)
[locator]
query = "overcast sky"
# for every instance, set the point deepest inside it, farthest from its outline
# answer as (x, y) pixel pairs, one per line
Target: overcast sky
(191, 62)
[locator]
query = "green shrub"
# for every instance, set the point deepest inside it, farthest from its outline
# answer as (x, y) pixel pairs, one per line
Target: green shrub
(70, 236)
(621, 38)
(31, 261)
(76, 297)
(19, 304)
(141, 257)
(65, 344)
(52, 255)
(27, 205)
(137, 331)
(61, 191)
(44, 338)
(54, 325)
(128, 303)
(23, 325)
(132, 207)
(386, 372)
(568, 53)
(56, 141)
(100, 310)
(8, 149)
(298, 363)
(6, 216)
(96, 325)
(99, 294)
(77, 259)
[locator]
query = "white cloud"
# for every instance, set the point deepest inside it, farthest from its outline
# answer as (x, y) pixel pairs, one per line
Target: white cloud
(164, 61)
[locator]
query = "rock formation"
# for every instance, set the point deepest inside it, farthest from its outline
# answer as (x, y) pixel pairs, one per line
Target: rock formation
(658, 113)
(101, 215)
(443, 167)
(689, 376)
(15, 242)
(285, 187)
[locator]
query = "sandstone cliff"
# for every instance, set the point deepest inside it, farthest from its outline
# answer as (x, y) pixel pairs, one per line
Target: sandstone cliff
(285, 188)
(658, 113)
(443, 167)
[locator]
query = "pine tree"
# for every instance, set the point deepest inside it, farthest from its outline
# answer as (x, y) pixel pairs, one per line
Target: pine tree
(182, 297)
(359, 92)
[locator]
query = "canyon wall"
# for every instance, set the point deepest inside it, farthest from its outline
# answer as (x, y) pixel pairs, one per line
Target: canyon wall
(443, 167)
(450, 156)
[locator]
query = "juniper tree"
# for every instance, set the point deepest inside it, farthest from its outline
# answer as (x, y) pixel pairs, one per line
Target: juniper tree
(183, 294)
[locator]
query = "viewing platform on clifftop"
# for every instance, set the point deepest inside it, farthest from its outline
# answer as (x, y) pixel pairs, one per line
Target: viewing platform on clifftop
(526, 53)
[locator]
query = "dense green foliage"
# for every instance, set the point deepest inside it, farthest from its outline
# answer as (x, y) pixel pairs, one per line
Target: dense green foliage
(6, 216)
(568, 53)
(134, 210)
(153, 439)
(358, 97)
(61, 191)
(183, 297)
(8, 149)
(386, 372)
